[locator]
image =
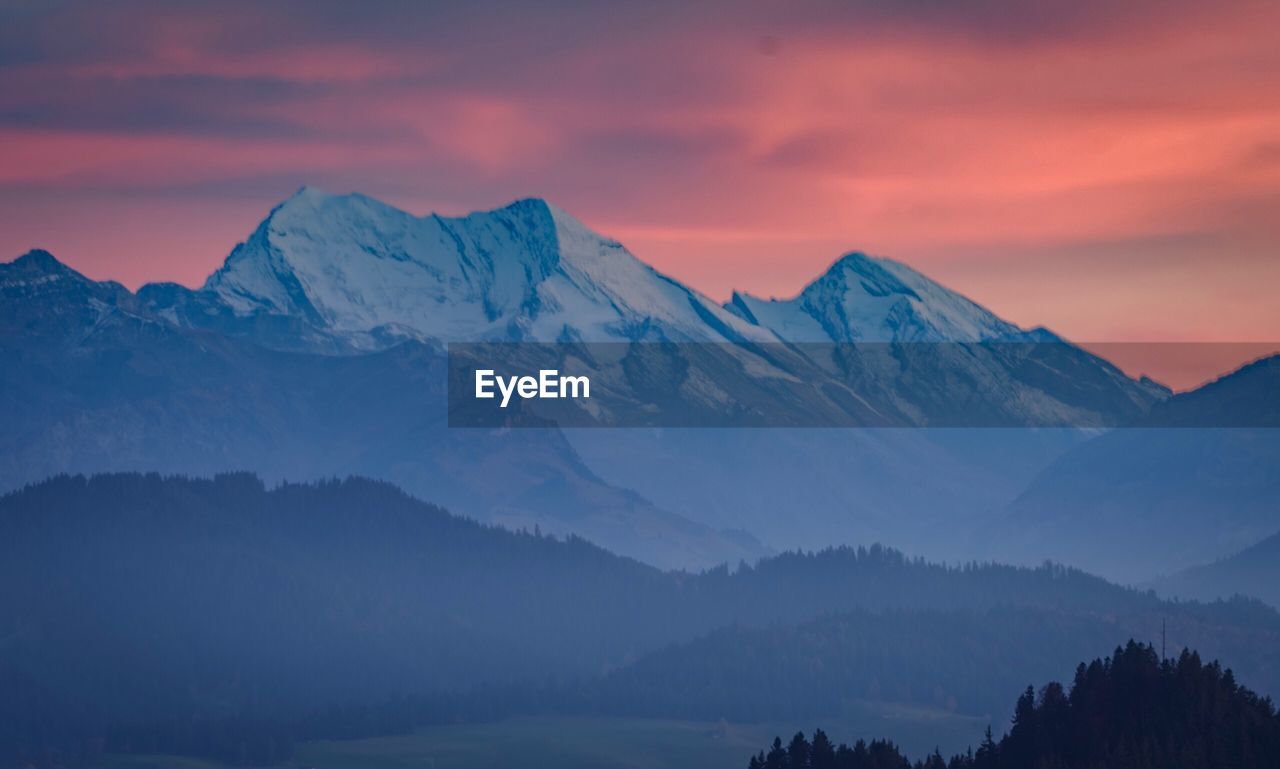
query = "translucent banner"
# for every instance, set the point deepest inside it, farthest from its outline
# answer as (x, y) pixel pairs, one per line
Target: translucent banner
(856, 384)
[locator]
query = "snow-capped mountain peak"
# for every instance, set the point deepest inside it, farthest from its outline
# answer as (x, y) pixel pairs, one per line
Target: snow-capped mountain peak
(529, 270)
(864, 298)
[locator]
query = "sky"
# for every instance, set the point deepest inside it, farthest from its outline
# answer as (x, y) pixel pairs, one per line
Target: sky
(1108, 170)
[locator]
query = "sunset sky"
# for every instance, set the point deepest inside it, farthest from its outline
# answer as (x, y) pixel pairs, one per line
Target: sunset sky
(1110, 170)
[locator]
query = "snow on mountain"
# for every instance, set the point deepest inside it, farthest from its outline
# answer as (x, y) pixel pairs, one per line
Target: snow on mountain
(346, 273)
(366, 271)
(360, 268)
(865, 299)
(528, 271)
(1037, 379)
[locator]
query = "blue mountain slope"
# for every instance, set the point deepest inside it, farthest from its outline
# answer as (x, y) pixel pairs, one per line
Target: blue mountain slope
(1135, 503)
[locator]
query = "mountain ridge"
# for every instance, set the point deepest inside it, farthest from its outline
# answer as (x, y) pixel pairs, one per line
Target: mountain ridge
(263, 274)
(348, 273)
(525, 271)
(325, 276)
(907, 307)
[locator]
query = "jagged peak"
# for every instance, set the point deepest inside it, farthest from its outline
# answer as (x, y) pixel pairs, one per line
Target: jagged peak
(309, 200)
(740, 304)
(38, 260)
(39, 275)
(879, 277)
(876, 267)
(867, 297)
(561, 220)
(312, 197)
(309, 192)
(38, 265)
(302, 208)
(526, 204)
(857, 260)
(560, 216)
(354, 262)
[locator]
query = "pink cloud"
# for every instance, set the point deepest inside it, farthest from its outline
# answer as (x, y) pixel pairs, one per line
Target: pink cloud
(1108, 171)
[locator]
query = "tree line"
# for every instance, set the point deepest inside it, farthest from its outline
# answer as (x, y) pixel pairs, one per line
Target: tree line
(1132, 710)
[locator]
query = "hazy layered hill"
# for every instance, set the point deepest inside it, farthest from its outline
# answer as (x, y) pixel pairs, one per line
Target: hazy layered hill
(174, 598)
(1136, 503)
(1254, 571)
(967, 662)
(926, 490)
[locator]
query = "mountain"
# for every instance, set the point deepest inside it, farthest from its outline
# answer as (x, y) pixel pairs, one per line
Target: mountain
(1135, 503)
(368, 273)
(897, 337)
(43, 297)
(1254, 571)
(357, 273)
(93, 379)
(913, 349)
(861, 298)
(309, 353)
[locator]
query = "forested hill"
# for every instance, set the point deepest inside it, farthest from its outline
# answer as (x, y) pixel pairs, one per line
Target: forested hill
(1129, 711)
(147, 596)
(965, 661)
